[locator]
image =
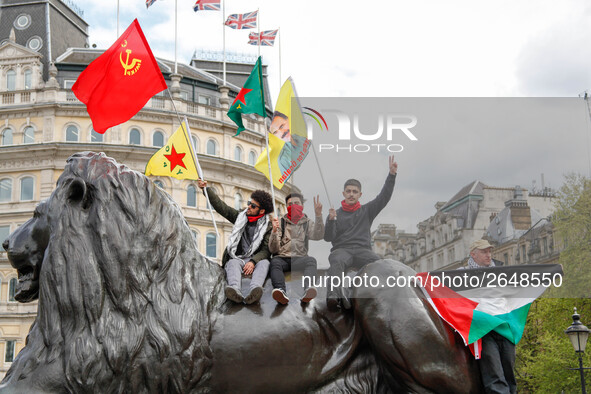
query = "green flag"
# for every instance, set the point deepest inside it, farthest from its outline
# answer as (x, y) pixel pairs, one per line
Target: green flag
(250, 99)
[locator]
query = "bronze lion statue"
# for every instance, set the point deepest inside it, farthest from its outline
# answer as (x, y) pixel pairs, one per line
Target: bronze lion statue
(128, 304)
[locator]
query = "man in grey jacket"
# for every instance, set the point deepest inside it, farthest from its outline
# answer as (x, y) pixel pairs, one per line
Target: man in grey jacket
(289, 245)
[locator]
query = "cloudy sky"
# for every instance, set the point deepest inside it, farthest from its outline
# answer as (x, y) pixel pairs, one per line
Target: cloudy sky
(423, 48)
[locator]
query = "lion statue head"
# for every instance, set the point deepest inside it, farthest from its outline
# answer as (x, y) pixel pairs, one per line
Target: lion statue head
(124, 295)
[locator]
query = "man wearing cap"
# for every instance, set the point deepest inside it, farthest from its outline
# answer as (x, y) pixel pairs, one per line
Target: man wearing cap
(498, 353)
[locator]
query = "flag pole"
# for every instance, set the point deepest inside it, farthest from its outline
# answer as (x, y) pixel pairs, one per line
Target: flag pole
(176, 14)
(321, 175)
(270, 173)
(224, 39)
(279, 34)
(199, 172)
(259, 32)
(117, 19)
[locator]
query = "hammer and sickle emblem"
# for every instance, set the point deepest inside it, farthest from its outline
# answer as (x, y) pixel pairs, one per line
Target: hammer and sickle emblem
(129, 68)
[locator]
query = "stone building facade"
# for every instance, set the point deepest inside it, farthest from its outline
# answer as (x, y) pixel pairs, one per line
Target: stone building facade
(475, 211)
(42, 123)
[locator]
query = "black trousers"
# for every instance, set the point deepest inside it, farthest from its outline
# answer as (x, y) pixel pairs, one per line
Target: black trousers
(497, 364)
(279, 265)
(342, 259)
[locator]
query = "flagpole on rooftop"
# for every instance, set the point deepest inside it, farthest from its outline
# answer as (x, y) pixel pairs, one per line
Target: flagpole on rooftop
(175, 37)
(279, 34)
(259, 30)
(117, 18)
(224, 39)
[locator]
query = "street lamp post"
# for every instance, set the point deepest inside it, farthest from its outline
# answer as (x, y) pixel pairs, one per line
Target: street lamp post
(578, 335)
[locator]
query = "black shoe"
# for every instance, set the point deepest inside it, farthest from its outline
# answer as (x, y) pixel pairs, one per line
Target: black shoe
(332, 301)
(233, 294)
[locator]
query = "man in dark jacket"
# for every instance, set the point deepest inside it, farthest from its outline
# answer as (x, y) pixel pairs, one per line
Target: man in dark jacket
(248, 248)
(348, 228)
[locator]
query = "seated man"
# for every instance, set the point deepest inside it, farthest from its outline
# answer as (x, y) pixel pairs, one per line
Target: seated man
(289, 245)
(248, 249)
(348, 228)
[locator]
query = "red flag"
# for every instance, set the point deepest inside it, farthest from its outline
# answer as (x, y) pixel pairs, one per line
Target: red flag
(118, 83)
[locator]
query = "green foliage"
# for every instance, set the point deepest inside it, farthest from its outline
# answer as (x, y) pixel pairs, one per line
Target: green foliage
(545, 352)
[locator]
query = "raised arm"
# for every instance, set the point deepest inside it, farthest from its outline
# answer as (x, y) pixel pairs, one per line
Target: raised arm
(220, 207)
(377, 204)
(330, 230)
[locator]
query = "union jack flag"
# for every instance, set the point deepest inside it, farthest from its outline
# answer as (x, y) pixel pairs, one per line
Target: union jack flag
(243, 21)
(267, 38)
(149, 3)
(207, 5)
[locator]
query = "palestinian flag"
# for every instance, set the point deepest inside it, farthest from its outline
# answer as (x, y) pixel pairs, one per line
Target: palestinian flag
(477, 301)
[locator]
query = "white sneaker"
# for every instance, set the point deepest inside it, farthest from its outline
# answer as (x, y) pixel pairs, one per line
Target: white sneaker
(280, 296)
(309, 294)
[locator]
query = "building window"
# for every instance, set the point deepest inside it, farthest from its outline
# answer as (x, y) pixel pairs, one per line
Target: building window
(523, 255)
(158, 139)
(212, 147)
(238, 202)
(96, 137)
(9, 352)
(545, 243)
(28, 78)
(506, 258)
(7, 136)
(205, 100)
(72, 134)
(22, 21)
(5, 190)
(12, 289)
(195, 142)
(35, 43)
(191, 196)
(252, 158)
(11, 80)
(27, 188)
(4, 233)
(211, 245)
(29, 135)
(135, 137)
(238, 153)
(159, 184)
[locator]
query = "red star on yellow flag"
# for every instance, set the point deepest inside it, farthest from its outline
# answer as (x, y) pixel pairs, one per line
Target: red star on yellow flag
(243, 92)
(176, 159)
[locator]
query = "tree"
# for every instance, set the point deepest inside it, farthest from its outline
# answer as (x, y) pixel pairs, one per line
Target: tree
(545, 353)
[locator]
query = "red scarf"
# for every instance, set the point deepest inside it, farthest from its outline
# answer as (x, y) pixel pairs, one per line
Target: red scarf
(254, 218)
(295, 213)
(350, 208)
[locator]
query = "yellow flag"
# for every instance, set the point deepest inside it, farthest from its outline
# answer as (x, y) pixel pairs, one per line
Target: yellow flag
(176, 158)
(276, 145)
(288, 142)
(287, 105)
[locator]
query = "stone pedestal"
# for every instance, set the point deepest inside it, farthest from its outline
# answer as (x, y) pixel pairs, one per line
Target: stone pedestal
(175, 88)
(225, 99)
